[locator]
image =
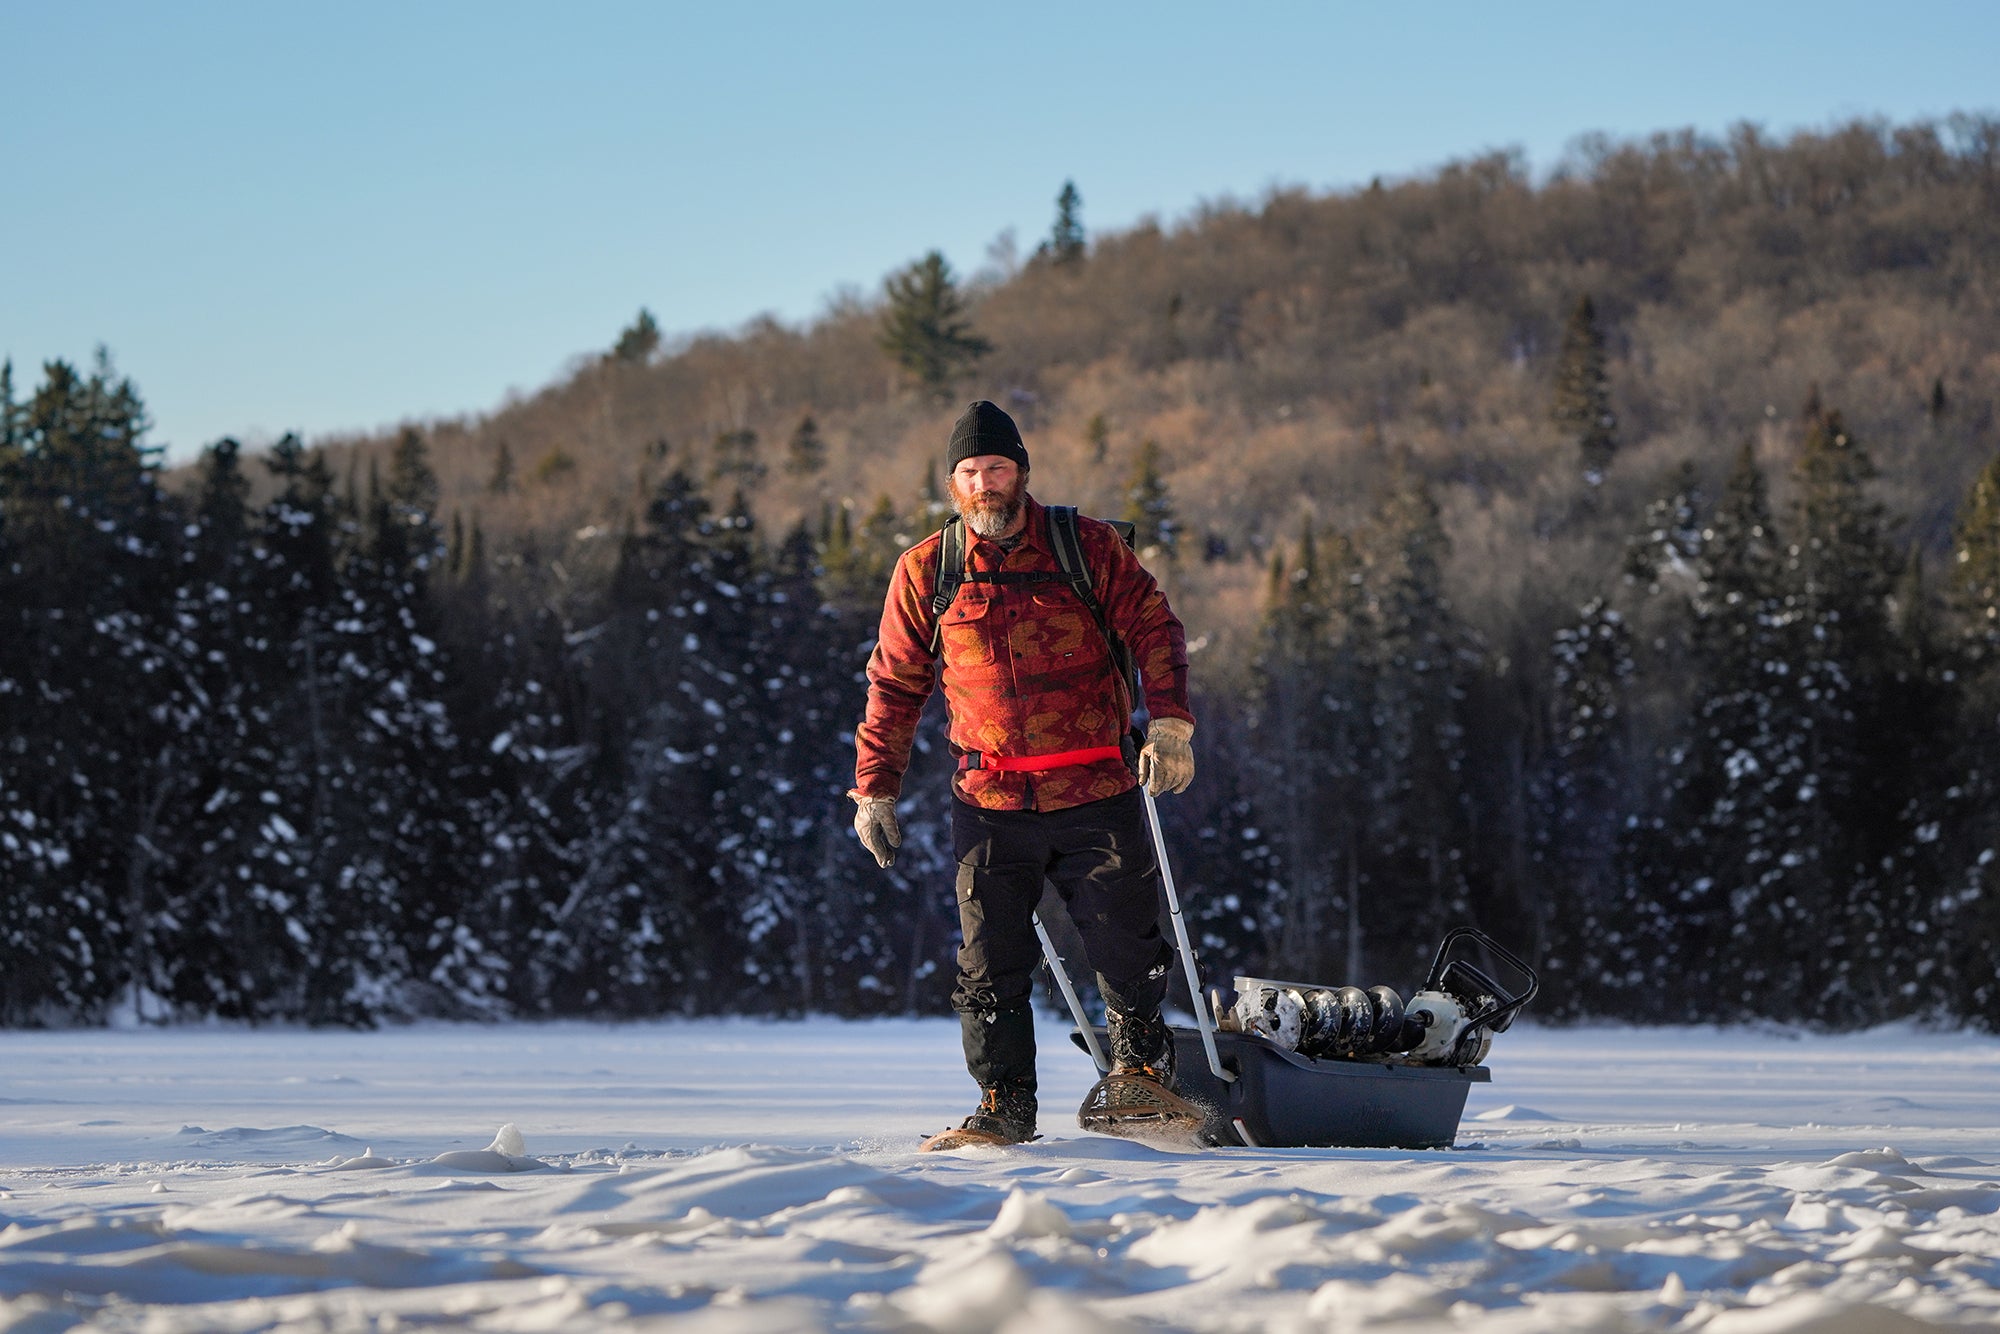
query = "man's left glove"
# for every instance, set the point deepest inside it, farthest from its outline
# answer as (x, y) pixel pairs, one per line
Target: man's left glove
(875, 825)
(1167, 762)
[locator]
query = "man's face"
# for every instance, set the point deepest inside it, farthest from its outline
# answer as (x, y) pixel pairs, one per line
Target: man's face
(986, 491)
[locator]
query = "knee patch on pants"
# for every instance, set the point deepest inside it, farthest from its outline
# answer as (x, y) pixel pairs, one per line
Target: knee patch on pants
(999, 951)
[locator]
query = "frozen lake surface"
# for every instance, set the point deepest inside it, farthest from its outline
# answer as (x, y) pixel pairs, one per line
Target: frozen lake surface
(740, 1175)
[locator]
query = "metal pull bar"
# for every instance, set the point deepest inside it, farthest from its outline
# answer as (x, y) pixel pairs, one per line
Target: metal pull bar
(1202, 1019)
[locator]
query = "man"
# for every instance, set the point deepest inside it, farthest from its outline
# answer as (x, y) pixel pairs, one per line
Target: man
(1038, 714)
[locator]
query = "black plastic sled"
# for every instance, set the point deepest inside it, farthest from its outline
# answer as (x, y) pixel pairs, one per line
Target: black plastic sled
(1264, 1095)
(1280, 1099)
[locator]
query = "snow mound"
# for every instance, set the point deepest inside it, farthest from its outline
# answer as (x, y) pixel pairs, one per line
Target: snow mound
(1884, 1159)
(507, 1153)
(1025, 1215)
(277, 1142)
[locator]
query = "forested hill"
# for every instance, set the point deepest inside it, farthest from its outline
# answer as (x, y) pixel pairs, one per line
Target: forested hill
(1612, 561)
(1279, 353)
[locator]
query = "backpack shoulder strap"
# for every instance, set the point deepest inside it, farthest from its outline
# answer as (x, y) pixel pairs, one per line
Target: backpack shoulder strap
(950, 575)
(1068, 542)
(1063, 536)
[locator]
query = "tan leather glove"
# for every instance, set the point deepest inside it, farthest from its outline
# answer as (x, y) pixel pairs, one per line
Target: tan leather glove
(1167, 762)
(875, 825)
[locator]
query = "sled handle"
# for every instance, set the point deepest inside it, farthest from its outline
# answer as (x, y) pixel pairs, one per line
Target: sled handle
(1506, 1004)
(1202, 1019)
(1069, 995)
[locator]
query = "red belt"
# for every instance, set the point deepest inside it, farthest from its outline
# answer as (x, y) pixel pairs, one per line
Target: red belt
(1061, 759)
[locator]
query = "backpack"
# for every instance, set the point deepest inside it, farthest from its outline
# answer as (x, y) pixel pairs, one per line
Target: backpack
(1074, 571)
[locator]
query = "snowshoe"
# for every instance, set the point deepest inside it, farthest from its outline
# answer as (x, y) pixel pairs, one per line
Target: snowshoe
(1136, 1105)
(1137, 1099)
(967, 1137)
(1005, 1116)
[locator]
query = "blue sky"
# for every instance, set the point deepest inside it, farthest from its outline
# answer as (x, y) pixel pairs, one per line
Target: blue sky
(327, 217)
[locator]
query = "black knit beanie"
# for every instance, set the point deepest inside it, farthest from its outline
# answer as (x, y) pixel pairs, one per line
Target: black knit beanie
(984, 429)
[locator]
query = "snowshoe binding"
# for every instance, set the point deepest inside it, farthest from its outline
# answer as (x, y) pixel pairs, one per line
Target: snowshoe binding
(1005, 1116)
(1137, 1099)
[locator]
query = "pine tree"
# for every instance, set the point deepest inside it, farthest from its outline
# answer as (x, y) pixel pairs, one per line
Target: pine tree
(1840, 567)
(1975, 578)
(838, 580)
(1149, 508)
(638, 340)
(642, 930)
(235, 899)
(1667, 548)
(805, 454)
(1581, 407)
(1967, 914)
(1909, 961)
(1097, 434)
(404, 837)
(413, 537)
(295, 854)
(502, 480)
(1726, 927)
(1419, 798)
(781, 783)
(1620, 949)
(925, 329)
(1314, 745)
(1065, 245)
(1588, 935)
(13, 422)
(222, 521)
(34, 852)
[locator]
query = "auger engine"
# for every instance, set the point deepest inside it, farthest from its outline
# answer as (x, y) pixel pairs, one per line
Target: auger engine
(1451, 1020)
(1445, 1034)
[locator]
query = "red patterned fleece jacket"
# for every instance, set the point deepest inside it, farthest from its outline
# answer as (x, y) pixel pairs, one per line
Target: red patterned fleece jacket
(1025, 670)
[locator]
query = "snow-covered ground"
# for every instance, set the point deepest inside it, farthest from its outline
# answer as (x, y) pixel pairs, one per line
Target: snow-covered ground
(763, 1176)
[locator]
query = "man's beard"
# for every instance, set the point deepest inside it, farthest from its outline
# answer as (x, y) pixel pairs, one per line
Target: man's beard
(990, 513)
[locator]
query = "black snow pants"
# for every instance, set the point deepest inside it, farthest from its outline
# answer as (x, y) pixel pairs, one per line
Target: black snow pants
(1100, 858)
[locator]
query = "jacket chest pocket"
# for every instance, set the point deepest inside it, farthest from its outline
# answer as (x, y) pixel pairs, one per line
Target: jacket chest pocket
(1066, 635)
(967, 636)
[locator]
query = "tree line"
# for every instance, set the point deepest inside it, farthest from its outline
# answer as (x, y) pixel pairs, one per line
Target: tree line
(295, 761)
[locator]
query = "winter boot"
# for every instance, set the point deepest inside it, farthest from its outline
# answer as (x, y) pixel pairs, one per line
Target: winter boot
(1140, 1047)
(1006, 1115)
(1137, 1099)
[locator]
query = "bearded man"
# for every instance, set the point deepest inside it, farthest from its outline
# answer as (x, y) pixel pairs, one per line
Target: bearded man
(1038, 720)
